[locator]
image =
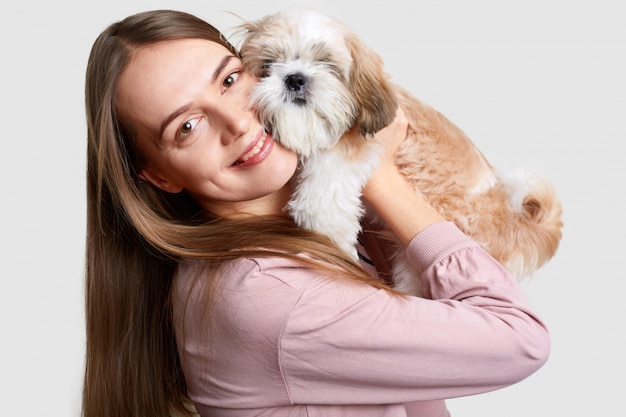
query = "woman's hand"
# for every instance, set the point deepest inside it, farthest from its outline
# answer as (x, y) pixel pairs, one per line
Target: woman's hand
(404, 209)
(390, 139)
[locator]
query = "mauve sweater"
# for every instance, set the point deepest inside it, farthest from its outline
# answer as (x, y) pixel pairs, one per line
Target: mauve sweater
(288, 341)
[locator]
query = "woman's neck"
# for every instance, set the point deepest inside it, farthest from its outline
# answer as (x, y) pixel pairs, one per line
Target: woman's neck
(269, 205)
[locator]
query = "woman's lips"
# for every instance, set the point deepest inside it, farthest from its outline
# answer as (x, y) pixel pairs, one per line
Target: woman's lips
(258, 152)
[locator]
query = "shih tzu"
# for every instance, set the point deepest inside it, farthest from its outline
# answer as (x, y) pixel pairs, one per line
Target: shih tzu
(318, 80)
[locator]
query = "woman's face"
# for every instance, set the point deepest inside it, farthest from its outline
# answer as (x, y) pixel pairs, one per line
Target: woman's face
(187, 103)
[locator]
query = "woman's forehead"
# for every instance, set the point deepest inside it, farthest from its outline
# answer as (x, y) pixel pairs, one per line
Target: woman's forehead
(162, 76)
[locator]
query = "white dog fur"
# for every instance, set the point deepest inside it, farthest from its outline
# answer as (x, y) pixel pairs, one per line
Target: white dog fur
(318, 80)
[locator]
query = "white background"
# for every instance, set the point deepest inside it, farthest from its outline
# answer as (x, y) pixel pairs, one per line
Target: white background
(536, 84)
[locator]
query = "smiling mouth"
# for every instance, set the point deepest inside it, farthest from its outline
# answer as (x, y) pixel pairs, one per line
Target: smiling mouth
(254, 151)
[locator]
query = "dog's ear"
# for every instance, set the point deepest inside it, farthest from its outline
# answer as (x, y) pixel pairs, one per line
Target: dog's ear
(244, 37)
(371, 88)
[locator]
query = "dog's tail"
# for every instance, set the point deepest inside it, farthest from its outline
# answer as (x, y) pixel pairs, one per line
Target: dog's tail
(536, 227)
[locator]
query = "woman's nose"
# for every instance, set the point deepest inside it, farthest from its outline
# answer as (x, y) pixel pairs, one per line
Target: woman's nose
(236, 121)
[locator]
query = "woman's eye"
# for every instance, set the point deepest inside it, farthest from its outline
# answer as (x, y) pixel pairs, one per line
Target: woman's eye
(187, 127)
(230, 79)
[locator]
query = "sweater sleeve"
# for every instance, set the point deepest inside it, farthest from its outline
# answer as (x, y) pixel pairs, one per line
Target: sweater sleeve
(343, 344)
(280, 336)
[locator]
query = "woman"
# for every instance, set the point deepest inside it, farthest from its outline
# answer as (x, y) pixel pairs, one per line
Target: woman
(200, 287)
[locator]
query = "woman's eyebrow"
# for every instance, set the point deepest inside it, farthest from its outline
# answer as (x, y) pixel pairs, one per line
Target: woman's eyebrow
(218, 70)
(171, 117)
(221, 66)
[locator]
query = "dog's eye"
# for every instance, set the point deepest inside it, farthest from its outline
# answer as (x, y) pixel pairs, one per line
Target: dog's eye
(265, 68)
(333, 67)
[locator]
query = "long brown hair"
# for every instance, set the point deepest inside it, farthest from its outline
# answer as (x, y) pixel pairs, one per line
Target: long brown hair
(136, 233)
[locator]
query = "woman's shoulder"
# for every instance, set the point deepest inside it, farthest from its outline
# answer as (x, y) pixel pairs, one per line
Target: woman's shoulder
(248, 274)
(253, 293)
(277, 279)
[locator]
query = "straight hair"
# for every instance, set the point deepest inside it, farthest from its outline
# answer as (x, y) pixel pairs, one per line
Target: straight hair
(137, 233)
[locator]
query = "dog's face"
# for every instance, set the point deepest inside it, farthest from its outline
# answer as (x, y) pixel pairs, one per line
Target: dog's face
(316, 79)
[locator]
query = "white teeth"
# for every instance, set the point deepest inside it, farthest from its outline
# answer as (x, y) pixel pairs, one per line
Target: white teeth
(257, 148)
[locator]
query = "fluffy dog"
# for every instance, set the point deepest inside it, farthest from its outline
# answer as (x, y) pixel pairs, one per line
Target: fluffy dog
(318, 80)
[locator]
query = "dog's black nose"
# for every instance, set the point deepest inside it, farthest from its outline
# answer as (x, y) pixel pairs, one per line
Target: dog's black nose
(295, 81)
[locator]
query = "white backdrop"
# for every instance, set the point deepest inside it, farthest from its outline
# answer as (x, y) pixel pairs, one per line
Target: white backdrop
(538, 84)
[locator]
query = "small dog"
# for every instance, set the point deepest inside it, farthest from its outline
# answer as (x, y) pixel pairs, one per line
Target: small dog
(317, 81)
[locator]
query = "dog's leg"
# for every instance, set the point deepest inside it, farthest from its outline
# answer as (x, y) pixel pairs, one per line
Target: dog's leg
(405, 277)
(327, 197)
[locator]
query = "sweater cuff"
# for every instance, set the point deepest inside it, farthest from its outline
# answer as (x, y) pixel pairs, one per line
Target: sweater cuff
(436, 242)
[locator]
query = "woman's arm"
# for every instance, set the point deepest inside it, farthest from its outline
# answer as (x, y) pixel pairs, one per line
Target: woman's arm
(405, 210)
(477, 334)
(291, 335)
